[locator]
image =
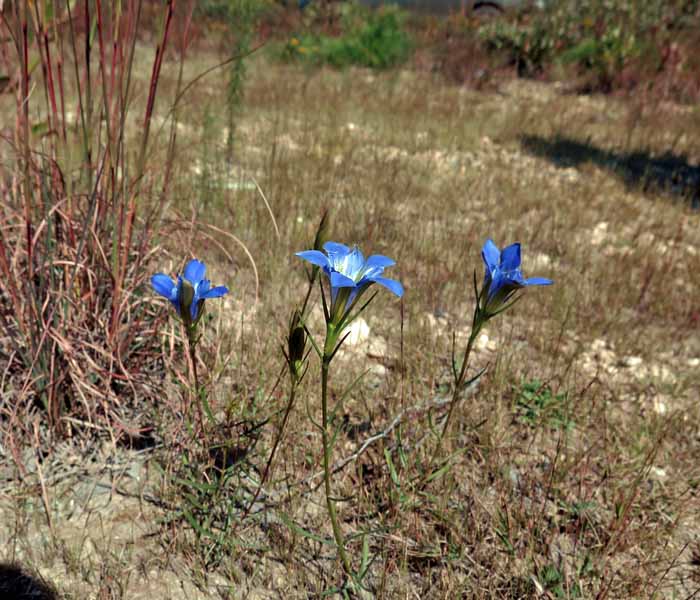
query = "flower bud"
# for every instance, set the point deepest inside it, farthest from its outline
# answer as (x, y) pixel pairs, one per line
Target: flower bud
(186, 296)
(322, 231)
(296, 346)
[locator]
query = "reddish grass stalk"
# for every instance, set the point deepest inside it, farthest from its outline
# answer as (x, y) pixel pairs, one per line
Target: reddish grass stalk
(67, 292)
(155, 74)
(21, 13)
(120, 271)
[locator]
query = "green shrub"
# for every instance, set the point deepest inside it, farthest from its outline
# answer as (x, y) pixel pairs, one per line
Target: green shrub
(370, 39)
(598, 38)
(223, 10)
(527, 46)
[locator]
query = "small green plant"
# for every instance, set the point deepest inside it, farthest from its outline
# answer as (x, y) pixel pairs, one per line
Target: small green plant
(209, 499)
(555, 583)
(536, 405)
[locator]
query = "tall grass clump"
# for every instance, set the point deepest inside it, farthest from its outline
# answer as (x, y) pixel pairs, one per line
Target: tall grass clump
(83, 189)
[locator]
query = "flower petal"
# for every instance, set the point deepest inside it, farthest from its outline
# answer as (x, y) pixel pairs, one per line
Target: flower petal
(377, 261)
(216, 292)
(351, 265)
(339, 280)
(510, 257)
(202, 288)
(390, 284)
(194, 271)
(178, 295)
(500, 284)
(491, 255)
(335, 248)
(194, 308)
(538, 281)
(164, 286)
(515, 277)
(314, 257)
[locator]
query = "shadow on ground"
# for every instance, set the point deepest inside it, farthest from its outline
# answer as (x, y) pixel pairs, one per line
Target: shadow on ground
(668, 173)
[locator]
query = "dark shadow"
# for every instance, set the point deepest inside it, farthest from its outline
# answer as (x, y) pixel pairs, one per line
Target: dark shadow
(143, 439)
(669, 173)
(18, 584)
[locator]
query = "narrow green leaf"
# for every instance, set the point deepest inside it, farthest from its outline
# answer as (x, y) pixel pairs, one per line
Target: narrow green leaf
(287, 520)
(392, 469)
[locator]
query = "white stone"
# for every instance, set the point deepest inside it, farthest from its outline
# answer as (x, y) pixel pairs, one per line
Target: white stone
(658, 472)
(600, 233)
(632, 361)
(358, 332)
(598, 345)
(196, 168)
(660, 406)
(484, 342)
(378, 370)
(540, 261)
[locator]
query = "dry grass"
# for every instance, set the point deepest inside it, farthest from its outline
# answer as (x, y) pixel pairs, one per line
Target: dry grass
(585, 488)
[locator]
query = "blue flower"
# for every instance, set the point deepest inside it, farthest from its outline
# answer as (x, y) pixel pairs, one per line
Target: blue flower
(502, 277)
(189, 293)
(350, 274)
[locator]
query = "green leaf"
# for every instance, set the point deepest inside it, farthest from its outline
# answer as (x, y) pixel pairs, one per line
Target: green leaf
(206, 407)
(205, 488)
(439, 472)
(287, 520)
(392, 469)
(193, 522)
(364, 561)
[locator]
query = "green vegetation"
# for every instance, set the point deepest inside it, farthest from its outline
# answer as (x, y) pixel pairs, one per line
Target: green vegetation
(610, 43)
(371, 39)
(537, 406)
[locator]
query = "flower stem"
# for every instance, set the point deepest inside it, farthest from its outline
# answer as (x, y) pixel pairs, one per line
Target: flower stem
(192, 347)
(459, 382)
(327, 450)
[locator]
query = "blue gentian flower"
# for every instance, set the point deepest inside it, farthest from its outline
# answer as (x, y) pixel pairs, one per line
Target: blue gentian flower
(350, 274)
(188, 293)
(502, 277)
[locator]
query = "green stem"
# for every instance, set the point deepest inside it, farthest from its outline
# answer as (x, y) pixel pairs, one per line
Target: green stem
(459, 382)
(330, 502)
(192, 347)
